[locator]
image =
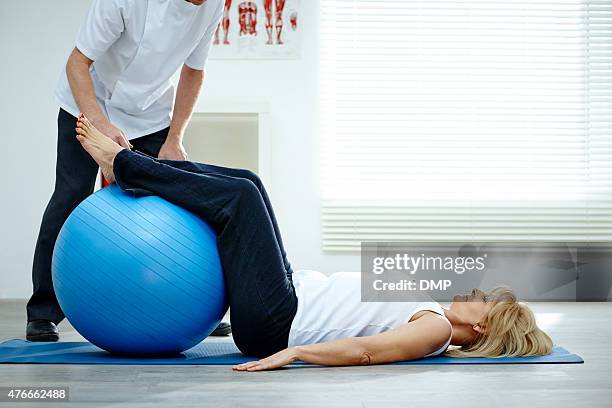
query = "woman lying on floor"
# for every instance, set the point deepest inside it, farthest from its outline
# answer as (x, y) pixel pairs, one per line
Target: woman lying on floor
(306, 316)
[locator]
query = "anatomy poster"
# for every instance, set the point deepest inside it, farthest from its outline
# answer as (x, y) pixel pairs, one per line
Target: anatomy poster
(255, 29)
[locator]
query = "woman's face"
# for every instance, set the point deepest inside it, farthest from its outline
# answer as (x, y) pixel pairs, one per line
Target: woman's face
(471, 308)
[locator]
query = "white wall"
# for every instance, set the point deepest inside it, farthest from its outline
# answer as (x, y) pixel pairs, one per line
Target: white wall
(32, 56)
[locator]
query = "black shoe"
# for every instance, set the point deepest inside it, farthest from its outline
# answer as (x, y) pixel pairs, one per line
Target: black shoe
(223, 329)
(42, 330)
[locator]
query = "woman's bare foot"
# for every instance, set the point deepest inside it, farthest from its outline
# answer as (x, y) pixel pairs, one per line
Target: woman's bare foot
(101, 148)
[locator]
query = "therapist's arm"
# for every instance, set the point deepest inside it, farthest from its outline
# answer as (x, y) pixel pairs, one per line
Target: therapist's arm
(188, 90)
(81, 85)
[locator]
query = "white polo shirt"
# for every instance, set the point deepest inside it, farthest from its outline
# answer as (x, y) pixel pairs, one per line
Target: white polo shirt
(137, 46)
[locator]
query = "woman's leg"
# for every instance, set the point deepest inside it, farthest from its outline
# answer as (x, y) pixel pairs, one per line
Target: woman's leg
(261, 296)
(201, 168)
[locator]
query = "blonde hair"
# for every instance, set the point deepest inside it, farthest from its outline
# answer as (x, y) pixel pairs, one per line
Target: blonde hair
(510, 331)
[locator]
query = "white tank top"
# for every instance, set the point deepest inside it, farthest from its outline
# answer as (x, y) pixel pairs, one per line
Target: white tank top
(330, 308)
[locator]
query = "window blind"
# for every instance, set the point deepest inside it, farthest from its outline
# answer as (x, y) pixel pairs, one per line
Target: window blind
(465, 120)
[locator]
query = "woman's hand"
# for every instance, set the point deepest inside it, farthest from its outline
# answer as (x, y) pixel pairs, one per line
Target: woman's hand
(280, 359)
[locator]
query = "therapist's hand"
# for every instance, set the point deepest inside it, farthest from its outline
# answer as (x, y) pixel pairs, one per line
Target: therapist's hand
(172, 149)
(112, 132)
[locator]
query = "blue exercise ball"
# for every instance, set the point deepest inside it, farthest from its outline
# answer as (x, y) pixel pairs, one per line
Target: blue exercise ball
(138, 275)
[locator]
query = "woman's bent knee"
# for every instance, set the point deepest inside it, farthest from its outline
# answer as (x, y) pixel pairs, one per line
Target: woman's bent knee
(246, 188)
(249, 175)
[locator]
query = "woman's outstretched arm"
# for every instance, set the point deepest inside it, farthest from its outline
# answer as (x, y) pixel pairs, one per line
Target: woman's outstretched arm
(411, 341)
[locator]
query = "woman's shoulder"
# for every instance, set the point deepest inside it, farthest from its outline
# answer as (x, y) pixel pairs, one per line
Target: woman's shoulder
(435, 326)
(432, 317)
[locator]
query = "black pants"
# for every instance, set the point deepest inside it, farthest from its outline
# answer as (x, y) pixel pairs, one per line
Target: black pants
(234, 202)
(75, 178)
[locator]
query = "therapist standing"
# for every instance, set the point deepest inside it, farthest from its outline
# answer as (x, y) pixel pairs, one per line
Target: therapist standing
(119, 76)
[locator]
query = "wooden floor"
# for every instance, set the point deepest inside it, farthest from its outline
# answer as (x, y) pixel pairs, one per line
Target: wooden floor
(584, 328)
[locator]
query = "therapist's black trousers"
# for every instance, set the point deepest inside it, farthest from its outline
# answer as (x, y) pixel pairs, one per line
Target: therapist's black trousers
(234, 202)
(75, 178)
